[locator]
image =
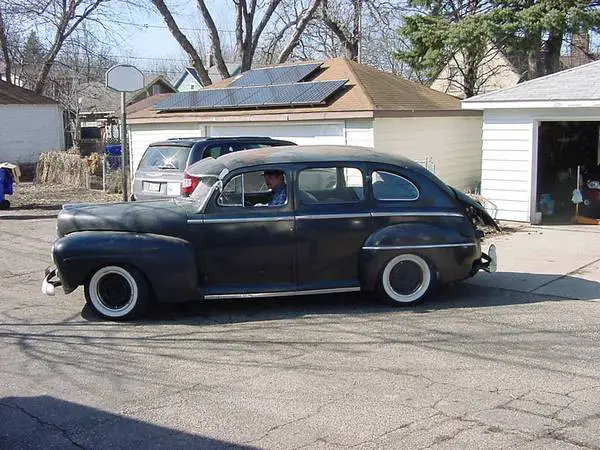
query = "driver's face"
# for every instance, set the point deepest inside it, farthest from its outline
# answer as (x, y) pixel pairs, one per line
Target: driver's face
(273, 180)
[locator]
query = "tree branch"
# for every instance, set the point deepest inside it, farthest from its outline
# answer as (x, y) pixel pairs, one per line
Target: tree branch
(183, 41)
(302, 22)
(214, 39)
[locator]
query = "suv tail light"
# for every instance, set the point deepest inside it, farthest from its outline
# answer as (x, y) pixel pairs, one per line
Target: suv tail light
(189, 184)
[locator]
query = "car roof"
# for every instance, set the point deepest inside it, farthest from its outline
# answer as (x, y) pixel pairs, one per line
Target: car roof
(189, 141)
(312, 154)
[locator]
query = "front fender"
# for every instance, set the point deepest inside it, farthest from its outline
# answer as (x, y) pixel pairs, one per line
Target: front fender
(167, 262)
(450, 247)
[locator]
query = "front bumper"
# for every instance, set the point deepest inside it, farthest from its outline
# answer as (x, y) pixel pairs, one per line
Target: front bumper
(51, 281)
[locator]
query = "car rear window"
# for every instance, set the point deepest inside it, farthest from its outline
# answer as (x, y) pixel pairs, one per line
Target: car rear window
(164, 158)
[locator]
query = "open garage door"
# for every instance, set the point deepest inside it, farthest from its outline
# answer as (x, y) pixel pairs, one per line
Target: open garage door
(562, 147)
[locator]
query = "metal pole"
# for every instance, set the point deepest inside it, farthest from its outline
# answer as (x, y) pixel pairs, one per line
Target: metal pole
(124, 150)
(104, 172)
(578, 185)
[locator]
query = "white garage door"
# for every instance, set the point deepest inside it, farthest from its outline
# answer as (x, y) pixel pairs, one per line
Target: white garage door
(301, 134)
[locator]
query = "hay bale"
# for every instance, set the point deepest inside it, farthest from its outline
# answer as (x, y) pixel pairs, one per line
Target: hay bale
(62, 168)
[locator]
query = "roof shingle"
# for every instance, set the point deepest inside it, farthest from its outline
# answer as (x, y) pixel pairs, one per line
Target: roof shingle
(579, 83)
(15, 95)
(368, 90)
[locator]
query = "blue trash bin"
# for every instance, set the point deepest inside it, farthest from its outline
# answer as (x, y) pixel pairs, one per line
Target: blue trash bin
(6, 187)
(113, 155)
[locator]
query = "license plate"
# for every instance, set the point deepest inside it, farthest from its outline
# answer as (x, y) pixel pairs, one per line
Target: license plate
(152, 187)
(173, 189)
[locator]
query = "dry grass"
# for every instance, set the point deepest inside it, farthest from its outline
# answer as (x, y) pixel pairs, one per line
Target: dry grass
(47, 199)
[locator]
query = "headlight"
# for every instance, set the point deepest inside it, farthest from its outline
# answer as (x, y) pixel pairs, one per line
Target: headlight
(593, 184)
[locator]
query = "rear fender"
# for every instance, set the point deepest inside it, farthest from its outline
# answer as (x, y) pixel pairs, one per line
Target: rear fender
(450, 249)
(167, 262)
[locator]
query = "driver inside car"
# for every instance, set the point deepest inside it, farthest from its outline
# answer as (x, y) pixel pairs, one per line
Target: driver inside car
(275, 181)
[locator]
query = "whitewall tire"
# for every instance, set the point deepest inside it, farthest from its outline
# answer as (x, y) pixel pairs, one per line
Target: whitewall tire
(406, 279)
(117, 292)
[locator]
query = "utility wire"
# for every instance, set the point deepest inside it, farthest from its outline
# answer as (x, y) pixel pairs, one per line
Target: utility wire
(164, 27)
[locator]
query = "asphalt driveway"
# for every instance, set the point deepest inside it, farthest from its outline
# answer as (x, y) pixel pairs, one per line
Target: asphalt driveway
(506, 360)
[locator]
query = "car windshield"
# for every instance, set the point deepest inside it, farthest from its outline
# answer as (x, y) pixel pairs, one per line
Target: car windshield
(164, 158)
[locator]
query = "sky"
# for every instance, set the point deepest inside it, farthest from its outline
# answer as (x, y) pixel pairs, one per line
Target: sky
(145, 41)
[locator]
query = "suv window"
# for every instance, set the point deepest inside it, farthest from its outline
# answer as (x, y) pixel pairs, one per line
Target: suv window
(164, 157)
(330, 185)
(389, 186)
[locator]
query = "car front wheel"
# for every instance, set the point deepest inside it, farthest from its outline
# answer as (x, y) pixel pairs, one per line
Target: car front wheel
(117, 292)
(406, 279)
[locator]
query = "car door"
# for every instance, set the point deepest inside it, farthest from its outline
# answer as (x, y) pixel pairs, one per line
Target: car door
(247, 249)
(332, 222)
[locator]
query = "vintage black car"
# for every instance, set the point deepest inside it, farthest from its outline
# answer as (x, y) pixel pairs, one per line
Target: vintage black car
(352, 219)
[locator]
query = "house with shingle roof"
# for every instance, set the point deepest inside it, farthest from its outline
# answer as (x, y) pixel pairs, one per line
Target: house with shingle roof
(336, 101)
(190, 81)
(29, 125)
(535, 136)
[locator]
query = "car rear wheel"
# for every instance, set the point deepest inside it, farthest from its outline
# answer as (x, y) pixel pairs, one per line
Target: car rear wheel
(117, 292)
(406, 280)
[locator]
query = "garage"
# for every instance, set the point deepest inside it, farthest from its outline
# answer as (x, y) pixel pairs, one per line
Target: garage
(29, 125)
(334, 102)
(536, 138)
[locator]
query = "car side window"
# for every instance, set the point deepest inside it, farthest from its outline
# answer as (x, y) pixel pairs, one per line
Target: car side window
(330, 185)
(217, 150)
(389, 186)
(248, 189)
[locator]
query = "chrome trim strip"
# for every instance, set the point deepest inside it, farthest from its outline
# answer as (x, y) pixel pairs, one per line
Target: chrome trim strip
(194, 221)
(332, 216)
(281, 294)
(404, 247)
(416, 213)
(246, 219)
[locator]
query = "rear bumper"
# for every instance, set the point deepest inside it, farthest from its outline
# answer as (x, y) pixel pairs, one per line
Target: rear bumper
(487, 262)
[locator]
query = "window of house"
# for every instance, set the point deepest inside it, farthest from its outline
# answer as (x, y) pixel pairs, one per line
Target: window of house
(389, 186)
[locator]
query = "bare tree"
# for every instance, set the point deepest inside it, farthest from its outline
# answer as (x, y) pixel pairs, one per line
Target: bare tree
(58, 20)
(300, 25)
(4, 45)
(183, 41)
(252, 18)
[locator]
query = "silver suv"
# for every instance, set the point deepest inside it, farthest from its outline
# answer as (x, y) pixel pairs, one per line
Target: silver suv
(160, 172)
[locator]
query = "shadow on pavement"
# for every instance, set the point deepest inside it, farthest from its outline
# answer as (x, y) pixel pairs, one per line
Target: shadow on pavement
(458, 295)
(50, 423)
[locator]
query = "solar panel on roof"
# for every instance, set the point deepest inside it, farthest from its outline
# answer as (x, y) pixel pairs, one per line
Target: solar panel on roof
(275, 75)
(319, 92)
(278, 94)
(308, 93)
(234, 97)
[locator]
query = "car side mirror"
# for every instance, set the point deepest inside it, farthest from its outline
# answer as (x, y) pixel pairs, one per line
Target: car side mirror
(220, 186)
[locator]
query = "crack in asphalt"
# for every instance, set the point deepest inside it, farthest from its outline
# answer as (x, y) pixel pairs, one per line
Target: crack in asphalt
(573, 272)
(62, 431)
(299, 419)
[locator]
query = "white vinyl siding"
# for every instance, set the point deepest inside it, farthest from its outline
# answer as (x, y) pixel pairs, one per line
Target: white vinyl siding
(359, 132)
(142, 135)
(506, 177)
(28, 130)
(453, 143)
